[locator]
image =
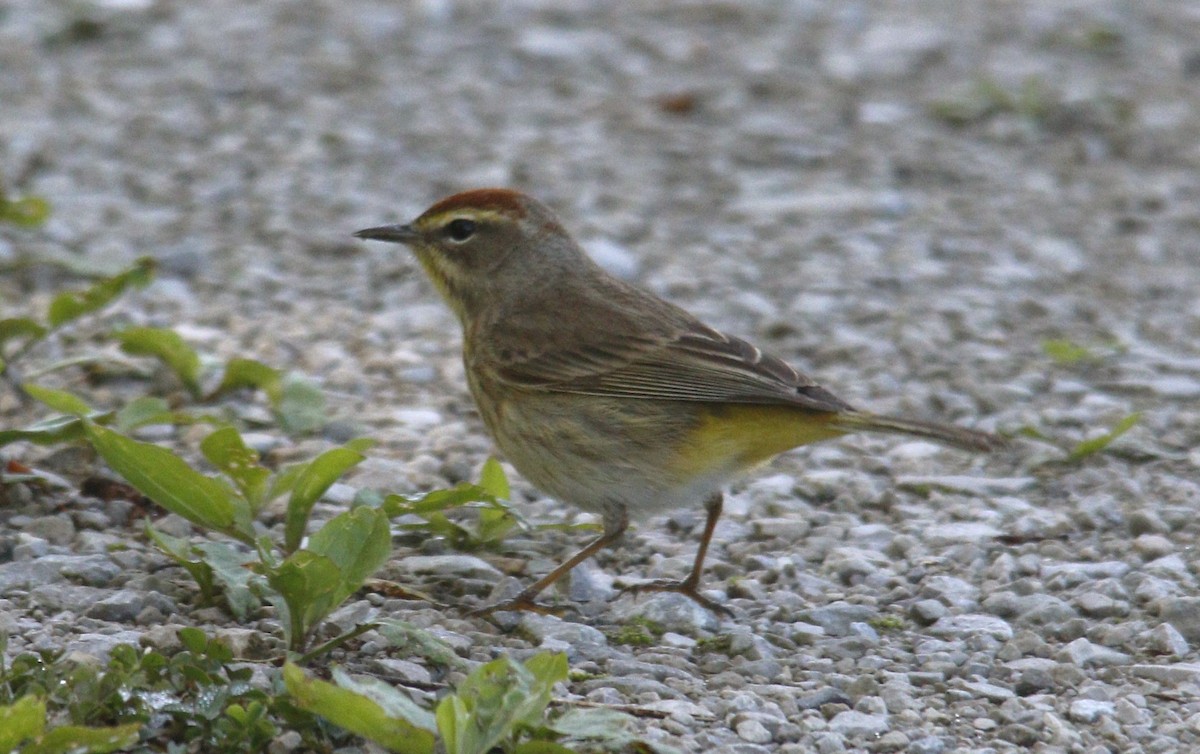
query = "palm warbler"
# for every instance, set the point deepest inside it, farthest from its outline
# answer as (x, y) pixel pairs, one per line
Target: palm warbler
(604, 395)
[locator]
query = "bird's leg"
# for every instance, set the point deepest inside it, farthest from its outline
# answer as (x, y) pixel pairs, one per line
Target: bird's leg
(615, 525)
(688, 587)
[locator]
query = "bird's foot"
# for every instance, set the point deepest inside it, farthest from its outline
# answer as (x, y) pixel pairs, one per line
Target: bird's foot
(520, 603)
(687, 588)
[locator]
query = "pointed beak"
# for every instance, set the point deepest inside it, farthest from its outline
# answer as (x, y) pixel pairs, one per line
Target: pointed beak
(404, 234)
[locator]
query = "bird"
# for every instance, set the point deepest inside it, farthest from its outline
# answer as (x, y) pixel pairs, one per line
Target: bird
(602, 394)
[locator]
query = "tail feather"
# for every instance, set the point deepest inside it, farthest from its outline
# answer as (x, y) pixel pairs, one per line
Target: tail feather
(959, 437)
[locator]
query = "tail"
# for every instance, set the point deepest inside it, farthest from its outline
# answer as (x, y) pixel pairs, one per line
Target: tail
(967, 439)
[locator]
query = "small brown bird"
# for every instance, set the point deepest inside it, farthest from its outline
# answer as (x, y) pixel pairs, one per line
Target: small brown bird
(605, 396)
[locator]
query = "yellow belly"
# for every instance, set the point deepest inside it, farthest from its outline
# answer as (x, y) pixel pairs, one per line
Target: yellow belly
(738, 437)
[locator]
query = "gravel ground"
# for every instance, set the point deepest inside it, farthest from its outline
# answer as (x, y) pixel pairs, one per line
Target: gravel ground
(906, 199)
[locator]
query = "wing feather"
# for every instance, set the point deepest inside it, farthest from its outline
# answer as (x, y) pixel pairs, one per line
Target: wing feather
(691, 362)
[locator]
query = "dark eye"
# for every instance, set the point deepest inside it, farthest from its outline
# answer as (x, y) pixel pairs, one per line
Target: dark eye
(460, 230)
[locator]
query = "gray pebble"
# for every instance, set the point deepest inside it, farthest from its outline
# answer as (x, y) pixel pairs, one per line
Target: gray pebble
(836, 617)
(120, 607)
(855, 724)
(1083, 653)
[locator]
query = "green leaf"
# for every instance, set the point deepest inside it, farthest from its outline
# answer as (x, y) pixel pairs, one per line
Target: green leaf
(312, 482)
(359, 542)
(57, 429)
(226, 450)
(496, 700)
(493, 480)
(59, 400)
(185, 555)
(72, 305)
(356, 713)
(494, 524)
(21, 720)
(241, 373)
(77, 739)
(229, 566)
(26, 212)
(1097, 444)
(1064, 351)
(308, 585)
(145, 411)
(301, 406)
(20, 327)
(168, 347)
(397, 704)
(166, 479)
(411, 640)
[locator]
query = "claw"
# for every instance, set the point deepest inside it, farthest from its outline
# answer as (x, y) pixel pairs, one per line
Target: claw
(517, 604)
(687, 588)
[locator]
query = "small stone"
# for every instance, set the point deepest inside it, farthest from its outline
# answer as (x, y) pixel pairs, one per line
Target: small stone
(989, 691)
(403, 671)
(1153, 546)
(1083, 653)
(1174, 674)
(927, 745)
(859, 724)
(941, 535)
(671, 610)
(1089, 710)
(1033, 681)
(1164, 639)
(467, 566)
(972, 623)
(1146, 522)
(1096, 605)
(753, 731)
(928, 611)
(58, 529)
(121, 606)
(542, 627)
(836, 617)
(1184, 615)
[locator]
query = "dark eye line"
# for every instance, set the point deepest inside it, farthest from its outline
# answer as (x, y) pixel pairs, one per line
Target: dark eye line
(460, 229)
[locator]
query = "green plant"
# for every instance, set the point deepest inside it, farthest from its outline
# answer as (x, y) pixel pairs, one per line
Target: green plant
(493, 521)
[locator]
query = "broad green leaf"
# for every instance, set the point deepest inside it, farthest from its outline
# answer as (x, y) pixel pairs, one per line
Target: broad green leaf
(145, 411)
(20, 327)
(493, 480)
(77, 739)
(356, 713)
(166, 479)
(21, 720)
(72, 305)
(496, 699)
(308, 584)
(494, 523)
(397, 704)
(438, 500)
(26, 212)
(313, 481)
(226, 450)
(411, 640)
(240, 373)
(57, 429)
(185, 555)
(168, 347)
(1097, 444)
(229, 566)
(359, 542)
(301, 406)
(59, 400)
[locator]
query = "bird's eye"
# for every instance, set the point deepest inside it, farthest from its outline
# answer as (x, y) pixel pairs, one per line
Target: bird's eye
(460, 230)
